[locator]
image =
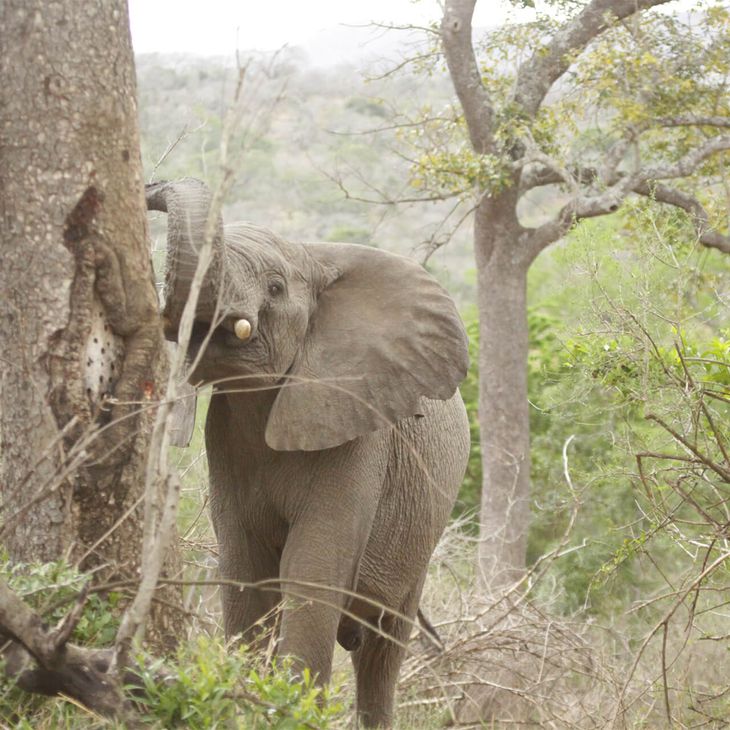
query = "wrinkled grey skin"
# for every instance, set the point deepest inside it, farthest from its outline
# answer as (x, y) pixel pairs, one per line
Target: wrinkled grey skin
(311, 484)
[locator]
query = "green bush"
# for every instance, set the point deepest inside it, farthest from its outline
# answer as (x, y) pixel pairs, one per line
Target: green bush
(211, 686)
(206, 685)
(52, 588)
(603, 354)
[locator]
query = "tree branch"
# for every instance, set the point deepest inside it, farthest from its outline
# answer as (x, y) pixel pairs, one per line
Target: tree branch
(63, 668)
(456, 38)
(539, 175)
(706, 234)
(689, 120)
(548, 63)
(687, 164)
(642, 182)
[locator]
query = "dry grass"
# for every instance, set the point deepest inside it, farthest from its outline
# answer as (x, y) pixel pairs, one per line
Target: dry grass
(510, 663)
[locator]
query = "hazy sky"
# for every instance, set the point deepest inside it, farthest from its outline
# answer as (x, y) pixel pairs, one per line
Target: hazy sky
(219, 27)
(214, 27)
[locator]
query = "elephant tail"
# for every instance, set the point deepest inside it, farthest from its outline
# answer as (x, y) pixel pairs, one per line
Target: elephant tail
(430, 631)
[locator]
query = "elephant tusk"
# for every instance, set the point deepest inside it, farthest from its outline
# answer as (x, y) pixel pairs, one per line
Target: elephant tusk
(242, 329)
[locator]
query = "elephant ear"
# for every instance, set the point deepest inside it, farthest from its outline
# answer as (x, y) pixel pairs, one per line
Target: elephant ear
(383, 335)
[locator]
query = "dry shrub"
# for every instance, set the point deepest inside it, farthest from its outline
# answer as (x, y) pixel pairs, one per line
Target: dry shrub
(505, 660)
(509, 662)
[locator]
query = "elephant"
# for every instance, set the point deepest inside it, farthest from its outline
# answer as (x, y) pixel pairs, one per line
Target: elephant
(336, 437)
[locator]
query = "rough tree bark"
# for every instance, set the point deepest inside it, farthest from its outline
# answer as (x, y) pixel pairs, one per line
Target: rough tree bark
(82, 346)
(504, 249)
(503, 408)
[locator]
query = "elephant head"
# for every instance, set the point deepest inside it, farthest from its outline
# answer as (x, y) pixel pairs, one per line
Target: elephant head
(353, 337)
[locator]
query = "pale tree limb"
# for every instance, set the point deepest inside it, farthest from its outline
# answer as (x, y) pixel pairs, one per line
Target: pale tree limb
(706, 234)
(642, 181)
(160, 481)
(540, 169)
(685, 165)
(158, 531)
(690, 120)
(456, 32)
(548, 63)
(537, 175)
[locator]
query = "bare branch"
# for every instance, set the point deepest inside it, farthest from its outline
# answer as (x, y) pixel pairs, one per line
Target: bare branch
(436, 241)
(383, 197)
(403, 63)
(689, 120)
(706, 234)
(62, 667)
(540, 238)
(642, 182)
(160, 515)
(171, 146)
(687, 164)
(548, 63)
(717, 468)
(456, 33)
(536, 176)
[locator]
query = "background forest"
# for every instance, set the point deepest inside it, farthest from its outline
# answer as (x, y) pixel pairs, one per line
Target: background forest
(625, 614)
(599, 302)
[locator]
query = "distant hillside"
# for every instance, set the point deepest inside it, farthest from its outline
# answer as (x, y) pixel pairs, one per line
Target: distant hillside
(315, 133)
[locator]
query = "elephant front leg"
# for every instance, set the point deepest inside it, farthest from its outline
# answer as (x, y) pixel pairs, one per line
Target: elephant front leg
(308, 632)
(318, 574)
(248, 611)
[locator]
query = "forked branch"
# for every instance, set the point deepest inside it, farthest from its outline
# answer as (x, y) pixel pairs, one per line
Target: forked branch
(42, 661)
(549, 62)
(456, 32)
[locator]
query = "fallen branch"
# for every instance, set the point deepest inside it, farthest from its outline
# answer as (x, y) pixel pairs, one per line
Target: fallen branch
(41, 660)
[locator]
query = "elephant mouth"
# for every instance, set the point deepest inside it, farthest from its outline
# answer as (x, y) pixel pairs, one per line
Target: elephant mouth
(221, 354)
(203, 335)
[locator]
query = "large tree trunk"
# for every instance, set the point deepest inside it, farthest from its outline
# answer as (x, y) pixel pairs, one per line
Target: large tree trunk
(503, 407)
(82, 347)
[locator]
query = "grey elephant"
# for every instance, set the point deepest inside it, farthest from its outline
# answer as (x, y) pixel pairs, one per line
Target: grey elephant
(336, 437)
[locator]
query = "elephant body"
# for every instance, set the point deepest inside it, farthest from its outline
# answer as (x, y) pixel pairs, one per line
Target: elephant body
(364, 517)
(336, 438)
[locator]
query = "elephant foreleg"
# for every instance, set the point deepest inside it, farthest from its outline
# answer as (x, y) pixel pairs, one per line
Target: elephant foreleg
(248, 611)
(316, 588)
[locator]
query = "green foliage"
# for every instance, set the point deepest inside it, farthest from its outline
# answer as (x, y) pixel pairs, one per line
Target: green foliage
(640, 296)
(214, 686)
(640, 80)
(653, 70)
(604, 353)
(206, 685)
(51, 590)
(457, 171)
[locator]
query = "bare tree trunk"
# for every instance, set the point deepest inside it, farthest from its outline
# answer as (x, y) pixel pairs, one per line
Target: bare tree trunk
(503, 406)
(83, 360)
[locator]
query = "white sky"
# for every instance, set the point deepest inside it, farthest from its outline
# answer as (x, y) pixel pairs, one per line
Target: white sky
(218, 27)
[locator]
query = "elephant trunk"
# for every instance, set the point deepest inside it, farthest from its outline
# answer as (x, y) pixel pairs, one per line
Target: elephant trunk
(187, 204)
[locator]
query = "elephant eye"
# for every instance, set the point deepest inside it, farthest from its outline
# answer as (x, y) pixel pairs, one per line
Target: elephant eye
(276, 288)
